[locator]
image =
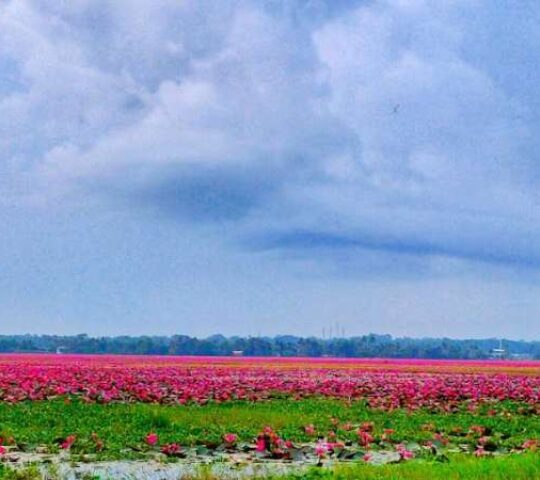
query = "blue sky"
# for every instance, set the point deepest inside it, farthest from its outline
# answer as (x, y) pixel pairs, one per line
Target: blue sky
(265, 167)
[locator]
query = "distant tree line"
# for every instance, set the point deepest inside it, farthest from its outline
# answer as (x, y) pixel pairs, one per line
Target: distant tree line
(371, 345)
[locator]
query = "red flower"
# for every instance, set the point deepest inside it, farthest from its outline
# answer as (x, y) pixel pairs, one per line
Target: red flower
(152, 438)
(309, 429)
(367, 427)
(230, 438)
(68, 442)
(365, 438)
(261, 444)
(404, 453)
(171, 449)
(321, 449)
(480, 452)
(530, 445)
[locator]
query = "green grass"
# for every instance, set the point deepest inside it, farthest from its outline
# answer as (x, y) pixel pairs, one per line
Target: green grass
(520, 467)
(122, 426)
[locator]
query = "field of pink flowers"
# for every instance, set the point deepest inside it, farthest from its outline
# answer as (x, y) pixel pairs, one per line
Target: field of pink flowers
(383, 384)
(306, 411)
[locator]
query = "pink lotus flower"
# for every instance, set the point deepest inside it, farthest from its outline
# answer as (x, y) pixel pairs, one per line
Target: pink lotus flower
(277, 441)
(171, 449)
(68, 442)
(321, 449)
(483, 440)
(477, 430)
(404, 453)
(2, 450)
(443, 386)
(530, 445)
(480, 452)
(440, 438)
(309, 429)
(152, 439)
(365, 438)
(230, 438)
(367, 427)
(261, 444)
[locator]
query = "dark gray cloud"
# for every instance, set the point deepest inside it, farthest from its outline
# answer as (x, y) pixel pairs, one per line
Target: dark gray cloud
(329, 242)
(207, 196)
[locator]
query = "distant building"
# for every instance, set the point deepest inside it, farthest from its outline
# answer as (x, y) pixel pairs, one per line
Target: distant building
(498, 353)
(238, 353)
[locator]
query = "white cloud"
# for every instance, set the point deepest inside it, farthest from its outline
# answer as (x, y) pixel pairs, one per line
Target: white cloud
(373, 119)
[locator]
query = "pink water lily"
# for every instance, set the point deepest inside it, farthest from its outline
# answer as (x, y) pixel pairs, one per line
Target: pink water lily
(171, 449)
(321, 449)
(404, 453)
(365, 438)
(68, 442)
(261, 444)
(309, 429)
(480, 452)
(531, 444)
(152, 439)
(383, 384)
(230, 438)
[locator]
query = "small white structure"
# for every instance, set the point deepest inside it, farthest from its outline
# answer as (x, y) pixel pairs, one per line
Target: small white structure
(498, 353)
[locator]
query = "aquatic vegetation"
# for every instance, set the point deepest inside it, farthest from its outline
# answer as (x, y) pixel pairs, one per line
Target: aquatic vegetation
(251, 410)
(383, 384)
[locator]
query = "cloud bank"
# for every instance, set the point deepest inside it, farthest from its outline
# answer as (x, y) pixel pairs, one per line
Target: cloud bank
(401, 134)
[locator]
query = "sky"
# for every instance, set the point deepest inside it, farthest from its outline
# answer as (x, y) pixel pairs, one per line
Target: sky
(270, 167)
